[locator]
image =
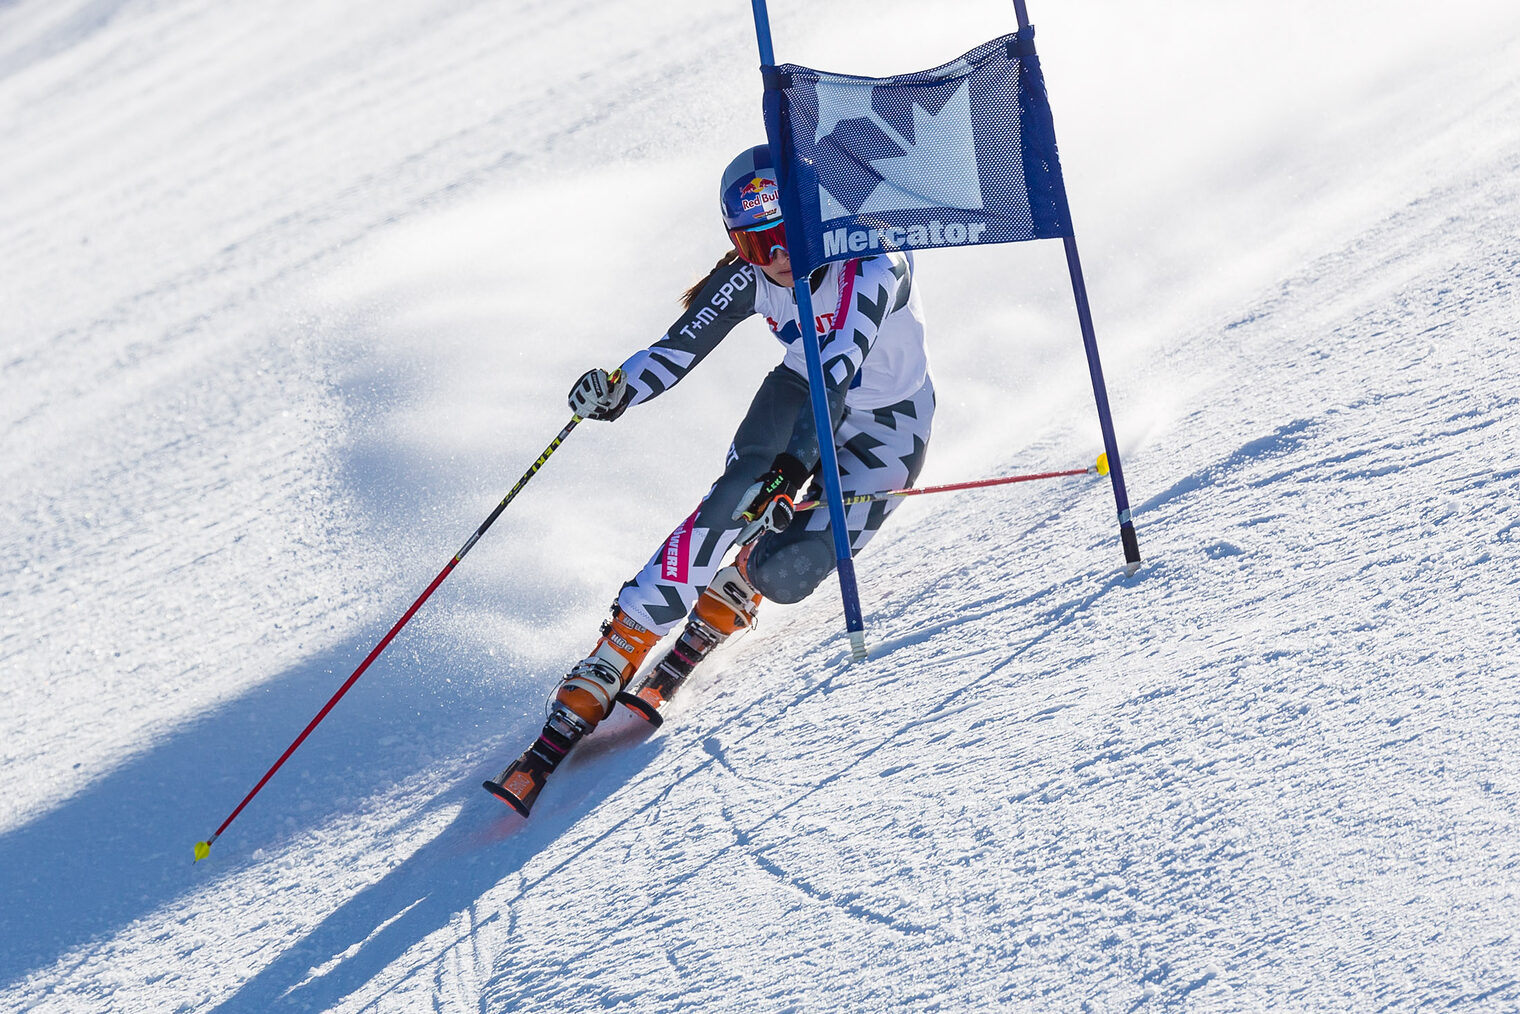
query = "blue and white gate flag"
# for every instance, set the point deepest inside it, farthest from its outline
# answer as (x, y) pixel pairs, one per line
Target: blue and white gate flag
(958, 155)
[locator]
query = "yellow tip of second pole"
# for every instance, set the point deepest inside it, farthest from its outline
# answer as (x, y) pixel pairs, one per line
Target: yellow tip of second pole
(202, 850)
(1103, 463)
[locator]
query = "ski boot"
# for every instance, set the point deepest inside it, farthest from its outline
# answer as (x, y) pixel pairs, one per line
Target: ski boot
(727, 606)
(582, 700)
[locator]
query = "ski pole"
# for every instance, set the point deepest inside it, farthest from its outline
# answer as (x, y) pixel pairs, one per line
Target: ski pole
(1098, 468)
(203, 848)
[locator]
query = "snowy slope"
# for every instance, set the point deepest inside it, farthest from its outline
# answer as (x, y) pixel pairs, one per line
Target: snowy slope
(291, 294)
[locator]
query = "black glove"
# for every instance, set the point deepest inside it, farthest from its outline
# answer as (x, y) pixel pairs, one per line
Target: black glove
(600, 395)
(768, 502)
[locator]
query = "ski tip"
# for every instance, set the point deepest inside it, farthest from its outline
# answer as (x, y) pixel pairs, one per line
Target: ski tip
(202, 850)
(496, 789)
(644, 709)
(1103, 463)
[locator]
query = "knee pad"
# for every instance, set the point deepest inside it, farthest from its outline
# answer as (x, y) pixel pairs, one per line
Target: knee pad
(787, 571)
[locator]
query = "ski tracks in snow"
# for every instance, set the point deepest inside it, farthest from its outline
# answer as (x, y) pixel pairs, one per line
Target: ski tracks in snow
(1225, 782)
(1274, 769)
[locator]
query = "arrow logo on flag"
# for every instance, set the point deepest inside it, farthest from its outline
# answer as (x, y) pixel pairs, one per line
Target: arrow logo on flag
(938, 169)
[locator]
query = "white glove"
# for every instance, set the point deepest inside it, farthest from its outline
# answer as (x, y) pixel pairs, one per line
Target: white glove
(600, 395)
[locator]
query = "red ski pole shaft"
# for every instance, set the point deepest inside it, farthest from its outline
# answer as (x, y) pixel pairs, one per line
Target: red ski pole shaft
(203, 848)
(1100, 468)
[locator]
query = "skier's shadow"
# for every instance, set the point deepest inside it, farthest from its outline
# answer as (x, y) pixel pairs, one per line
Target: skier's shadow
(484, 844)
(118, 847)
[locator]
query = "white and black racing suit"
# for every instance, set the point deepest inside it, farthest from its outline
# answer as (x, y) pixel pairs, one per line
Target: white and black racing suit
(876, 366)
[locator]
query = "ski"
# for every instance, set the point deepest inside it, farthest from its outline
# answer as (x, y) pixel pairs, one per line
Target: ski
(725, 607)
(671, 672)
(519, 785)
(646, 707)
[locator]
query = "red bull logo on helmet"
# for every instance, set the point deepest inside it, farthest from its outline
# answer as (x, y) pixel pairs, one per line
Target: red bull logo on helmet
(760, 194)
(750, 197)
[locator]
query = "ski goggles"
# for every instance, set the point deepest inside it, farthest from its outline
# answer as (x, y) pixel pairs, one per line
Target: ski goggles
(758, 243)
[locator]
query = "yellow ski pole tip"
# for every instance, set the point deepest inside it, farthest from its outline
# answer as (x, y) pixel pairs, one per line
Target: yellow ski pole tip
(1103, 463)
(202, 850)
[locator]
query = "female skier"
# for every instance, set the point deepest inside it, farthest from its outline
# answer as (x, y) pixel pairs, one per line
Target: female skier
(882, 404)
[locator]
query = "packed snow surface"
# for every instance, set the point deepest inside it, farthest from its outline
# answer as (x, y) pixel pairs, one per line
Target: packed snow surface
(292, 292)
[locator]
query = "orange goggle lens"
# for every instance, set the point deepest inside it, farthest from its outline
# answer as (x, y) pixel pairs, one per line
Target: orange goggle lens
(757, 245)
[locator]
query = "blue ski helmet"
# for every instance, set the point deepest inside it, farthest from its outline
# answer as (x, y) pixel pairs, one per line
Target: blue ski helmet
(750, 199)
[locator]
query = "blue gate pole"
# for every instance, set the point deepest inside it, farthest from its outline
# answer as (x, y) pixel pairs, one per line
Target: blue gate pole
(1105, 418)
(828, 465)
(1100, 390)
(763, 33)
(828, 460)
